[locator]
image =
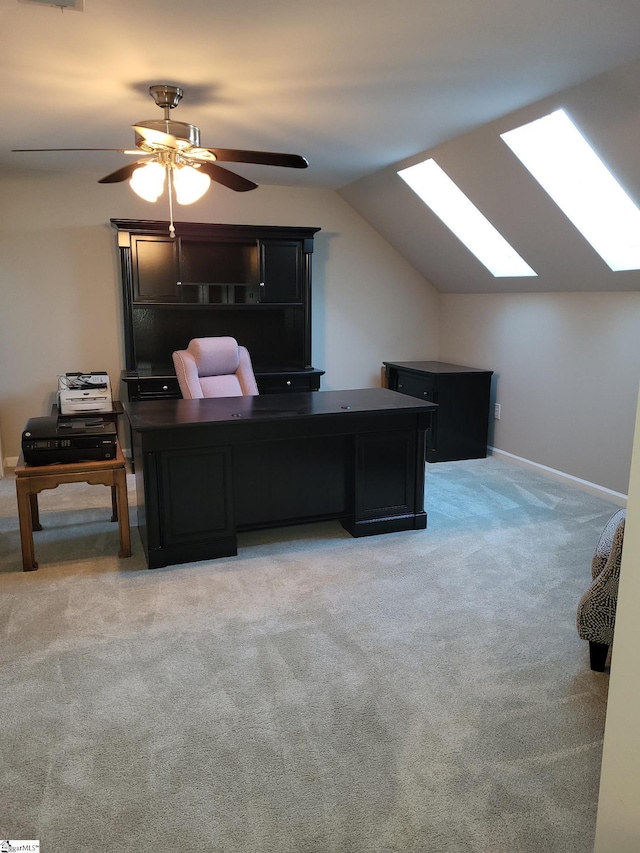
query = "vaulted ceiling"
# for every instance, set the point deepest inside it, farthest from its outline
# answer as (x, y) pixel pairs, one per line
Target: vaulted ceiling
(356, 86)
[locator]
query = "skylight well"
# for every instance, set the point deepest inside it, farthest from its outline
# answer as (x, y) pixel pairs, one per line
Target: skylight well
(564, 164)
(451, 205)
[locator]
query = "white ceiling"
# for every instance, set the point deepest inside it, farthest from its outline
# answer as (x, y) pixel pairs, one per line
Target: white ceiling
(353, 85)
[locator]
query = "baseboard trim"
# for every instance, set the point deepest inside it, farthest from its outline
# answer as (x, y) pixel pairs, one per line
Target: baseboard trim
(593, 488)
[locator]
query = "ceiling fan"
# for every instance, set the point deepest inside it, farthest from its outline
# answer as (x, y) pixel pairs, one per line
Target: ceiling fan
(172, 149)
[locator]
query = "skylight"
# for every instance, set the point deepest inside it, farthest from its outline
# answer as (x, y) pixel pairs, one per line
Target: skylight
(562, 161)
(447, 201)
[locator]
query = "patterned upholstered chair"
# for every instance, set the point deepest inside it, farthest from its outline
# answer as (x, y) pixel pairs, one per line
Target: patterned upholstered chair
(214, 367)
(596, 617)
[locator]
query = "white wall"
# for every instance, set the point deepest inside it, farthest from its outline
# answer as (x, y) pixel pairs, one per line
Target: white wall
(60, 303)
(567, 367)
(618, 825)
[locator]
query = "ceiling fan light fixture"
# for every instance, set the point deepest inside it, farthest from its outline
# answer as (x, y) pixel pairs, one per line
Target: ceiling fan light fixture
(190, 184)
(171, 151)
(148, 181)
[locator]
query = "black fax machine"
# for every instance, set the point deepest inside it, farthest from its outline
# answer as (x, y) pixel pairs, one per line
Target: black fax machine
(50, 440)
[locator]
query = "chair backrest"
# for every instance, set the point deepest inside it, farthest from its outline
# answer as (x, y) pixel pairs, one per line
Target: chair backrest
(214, 367)
(596, 617)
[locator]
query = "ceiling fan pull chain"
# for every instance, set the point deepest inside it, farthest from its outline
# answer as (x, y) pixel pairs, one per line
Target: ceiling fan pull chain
(172, 230)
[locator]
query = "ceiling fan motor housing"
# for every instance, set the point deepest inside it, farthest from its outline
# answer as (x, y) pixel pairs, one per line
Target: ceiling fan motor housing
(188, 133)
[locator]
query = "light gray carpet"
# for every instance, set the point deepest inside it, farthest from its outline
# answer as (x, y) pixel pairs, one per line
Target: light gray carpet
(420, 692)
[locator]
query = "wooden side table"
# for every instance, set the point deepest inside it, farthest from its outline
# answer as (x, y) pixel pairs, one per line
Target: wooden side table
(32, 479)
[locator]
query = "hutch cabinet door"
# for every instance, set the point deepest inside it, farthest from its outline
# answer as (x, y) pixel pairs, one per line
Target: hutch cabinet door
(281, 271)
(155, 268)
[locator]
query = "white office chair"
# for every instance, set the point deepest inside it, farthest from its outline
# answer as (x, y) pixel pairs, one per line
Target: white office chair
(214, 367)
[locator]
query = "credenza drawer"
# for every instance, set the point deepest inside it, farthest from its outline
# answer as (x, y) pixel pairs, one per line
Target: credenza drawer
(167, 387)
(153, 388)
(416, 386)
(291, 382)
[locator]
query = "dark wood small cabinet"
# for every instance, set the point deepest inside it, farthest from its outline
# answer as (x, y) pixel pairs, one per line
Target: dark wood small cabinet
(461, 424)
(250, 282)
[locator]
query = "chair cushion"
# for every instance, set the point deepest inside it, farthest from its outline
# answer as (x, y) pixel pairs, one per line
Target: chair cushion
(220, 386)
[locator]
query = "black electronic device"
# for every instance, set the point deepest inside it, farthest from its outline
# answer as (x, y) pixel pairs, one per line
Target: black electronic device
(50, 440)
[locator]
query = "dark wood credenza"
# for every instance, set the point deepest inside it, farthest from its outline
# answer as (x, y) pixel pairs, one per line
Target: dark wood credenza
(251, 282)
(209, 469)
(460, 429)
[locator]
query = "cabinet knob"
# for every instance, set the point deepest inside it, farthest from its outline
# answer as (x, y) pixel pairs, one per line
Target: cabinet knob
(288, 382)
(262, 284)
(400, 385)
(165, 387)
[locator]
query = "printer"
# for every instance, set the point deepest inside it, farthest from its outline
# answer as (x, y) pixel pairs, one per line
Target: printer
(84, 392)
(52, 439)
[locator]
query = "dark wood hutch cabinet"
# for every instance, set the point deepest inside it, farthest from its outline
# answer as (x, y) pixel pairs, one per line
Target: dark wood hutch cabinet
(250, 282)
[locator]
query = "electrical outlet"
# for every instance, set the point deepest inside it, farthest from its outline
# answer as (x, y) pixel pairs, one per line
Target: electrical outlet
(496, 411)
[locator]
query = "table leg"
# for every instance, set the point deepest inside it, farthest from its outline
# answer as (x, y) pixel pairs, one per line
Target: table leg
(35, 513)
(26, 531)
(123, 512)
(114, 503)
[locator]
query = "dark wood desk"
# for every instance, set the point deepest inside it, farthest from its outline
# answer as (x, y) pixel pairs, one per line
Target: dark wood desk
(208, 469)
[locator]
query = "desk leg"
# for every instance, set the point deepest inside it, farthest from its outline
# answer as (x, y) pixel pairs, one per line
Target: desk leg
(25, 518)
(122, 509)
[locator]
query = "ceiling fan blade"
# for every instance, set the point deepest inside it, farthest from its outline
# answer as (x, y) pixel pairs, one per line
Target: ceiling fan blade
(227, 178)
(264, 158)
(123, 173)
(117, 150)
